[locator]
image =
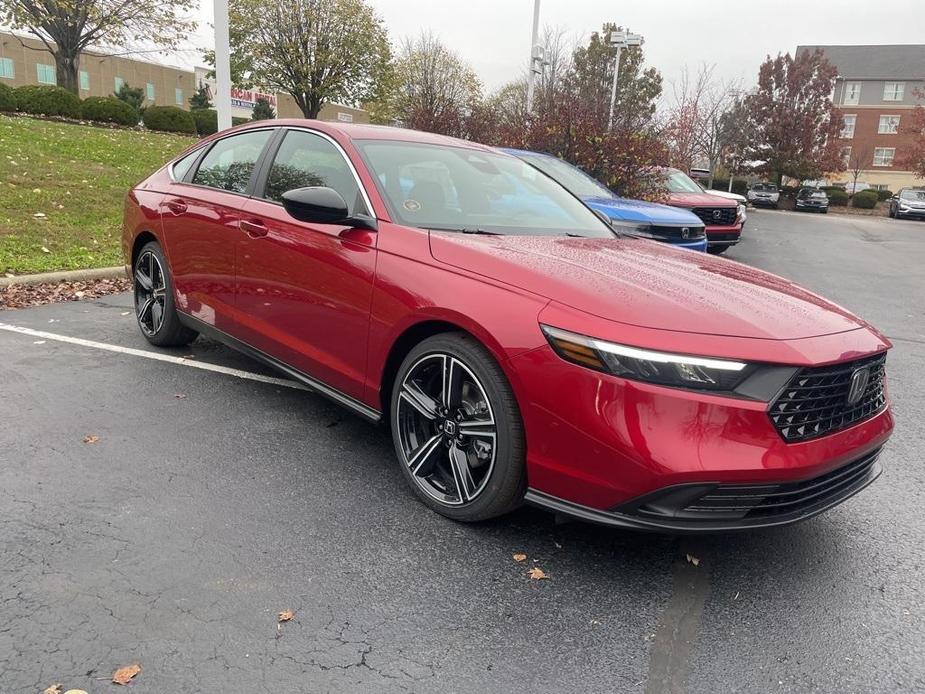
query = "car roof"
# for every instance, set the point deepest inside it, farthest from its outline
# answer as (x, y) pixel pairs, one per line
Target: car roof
(368, 131)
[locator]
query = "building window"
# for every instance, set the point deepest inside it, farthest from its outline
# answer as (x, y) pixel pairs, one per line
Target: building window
(894, 91)
(45, 74)
(883, 156)
(149, 90)
(178, 94)
(889, 125)
(846, 155)
(84, 77)
(6, 68)
(852, 93)
(880, 186)
(119, 82)
(847, 128)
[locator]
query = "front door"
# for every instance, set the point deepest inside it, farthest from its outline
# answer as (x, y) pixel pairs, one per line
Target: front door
(200, 219)
(304, 290)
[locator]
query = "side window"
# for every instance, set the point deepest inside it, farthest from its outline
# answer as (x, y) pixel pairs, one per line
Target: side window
(178, 170)
(305, 159)
(230, 162)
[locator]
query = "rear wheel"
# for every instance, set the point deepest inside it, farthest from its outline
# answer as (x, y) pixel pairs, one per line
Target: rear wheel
(457, 429)
(154, 306)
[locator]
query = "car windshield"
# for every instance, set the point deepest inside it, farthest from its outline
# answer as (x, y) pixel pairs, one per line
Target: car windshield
(573, 178)
(765, 187)
(460, 189)
(917, 195)
(679, 182)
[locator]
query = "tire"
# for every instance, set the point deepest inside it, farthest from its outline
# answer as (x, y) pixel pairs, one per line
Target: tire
(717, 250)
(155, 310)
(825, 210)
(481, 402)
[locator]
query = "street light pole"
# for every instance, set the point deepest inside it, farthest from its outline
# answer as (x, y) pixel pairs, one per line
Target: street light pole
(222, 66)
(534, 43)
(619, 40)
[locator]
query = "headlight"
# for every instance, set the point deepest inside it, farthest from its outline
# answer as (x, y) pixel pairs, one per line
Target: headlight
(631, 228)
(663, 368)
(741, 212)
(904, 207)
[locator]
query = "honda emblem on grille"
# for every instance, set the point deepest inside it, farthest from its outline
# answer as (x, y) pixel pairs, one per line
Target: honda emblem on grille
(685, 232)
(858, 385)
(717, 214)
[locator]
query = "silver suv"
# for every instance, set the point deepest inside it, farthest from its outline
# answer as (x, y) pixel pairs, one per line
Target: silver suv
(908, 202)
(764, 194)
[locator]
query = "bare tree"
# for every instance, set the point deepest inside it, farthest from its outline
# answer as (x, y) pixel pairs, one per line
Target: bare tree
(859, 159)
(434, 89)
(69, 27)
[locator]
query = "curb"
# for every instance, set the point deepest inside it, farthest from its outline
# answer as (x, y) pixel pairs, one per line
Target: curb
(100, 273)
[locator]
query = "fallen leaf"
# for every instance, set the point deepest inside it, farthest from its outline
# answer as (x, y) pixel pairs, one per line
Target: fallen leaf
(91, 438)
(38, 342)
(53, 689)
(537, 574)
(75, 691)
(285, 616)
(179, 396)
(519, 556)
(125, 674)
(39, 215)
(693, 560)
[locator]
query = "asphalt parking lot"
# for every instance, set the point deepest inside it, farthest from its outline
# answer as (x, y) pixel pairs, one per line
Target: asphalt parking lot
(211, 502)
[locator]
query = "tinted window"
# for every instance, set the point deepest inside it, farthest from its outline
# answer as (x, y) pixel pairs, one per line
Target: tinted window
(304, 160)
(181, 167)
(230, 162)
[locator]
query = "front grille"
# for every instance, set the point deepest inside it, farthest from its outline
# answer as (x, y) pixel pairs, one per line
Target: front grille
(716, 216)
(674, 232)
(815, 401)
(725, 236)
(749, 501)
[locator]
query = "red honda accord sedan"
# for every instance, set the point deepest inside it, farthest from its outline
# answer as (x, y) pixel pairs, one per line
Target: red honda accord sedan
(517, 347)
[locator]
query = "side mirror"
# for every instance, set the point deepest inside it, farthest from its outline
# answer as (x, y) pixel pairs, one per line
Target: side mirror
(323, 206)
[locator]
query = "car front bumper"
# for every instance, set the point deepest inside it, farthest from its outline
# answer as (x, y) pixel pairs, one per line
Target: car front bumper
(631, 454)
(697, 245)
(912, 212)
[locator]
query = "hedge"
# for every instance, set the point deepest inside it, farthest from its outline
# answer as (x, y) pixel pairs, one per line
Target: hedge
(48, 101)
(865, 200)
(206, 121)
(838, 197)
(884, 195)
(108, 109)
(169, 119)
(7, 99)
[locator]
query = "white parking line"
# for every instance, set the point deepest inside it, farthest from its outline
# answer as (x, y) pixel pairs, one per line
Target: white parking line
(182, 361)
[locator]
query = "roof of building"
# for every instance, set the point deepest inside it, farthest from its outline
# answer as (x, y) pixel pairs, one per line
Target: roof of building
(875, 62)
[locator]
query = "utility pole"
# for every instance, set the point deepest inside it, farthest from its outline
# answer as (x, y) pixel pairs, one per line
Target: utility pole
(619, 40)
(222, 66)
(534, 58)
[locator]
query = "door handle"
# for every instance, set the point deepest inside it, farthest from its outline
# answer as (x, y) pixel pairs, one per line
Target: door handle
(176, 206)
(255, 229)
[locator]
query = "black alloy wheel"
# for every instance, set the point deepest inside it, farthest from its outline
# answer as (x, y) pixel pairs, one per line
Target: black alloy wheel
(154, 305)
(457, 429)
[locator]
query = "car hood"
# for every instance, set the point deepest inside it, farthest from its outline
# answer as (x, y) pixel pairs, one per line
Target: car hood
(647, 284)
(727, 195)
(639, 211)
(699, 200)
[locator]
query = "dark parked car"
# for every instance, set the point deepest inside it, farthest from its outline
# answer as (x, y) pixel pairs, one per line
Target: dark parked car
(811, 200)
(517, 348)
(908, 202)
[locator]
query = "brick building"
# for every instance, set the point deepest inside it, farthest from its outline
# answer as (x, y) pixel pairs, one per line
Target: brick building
(876, 89)
(26, 60)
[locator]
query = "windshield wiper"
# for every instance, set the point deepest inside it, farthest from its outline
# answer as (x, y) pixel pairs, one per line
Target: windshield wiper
(465, 230)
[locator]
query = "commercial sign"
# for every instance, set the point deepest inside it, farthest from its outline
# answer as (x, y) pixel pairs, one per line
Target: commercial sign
(247, 98)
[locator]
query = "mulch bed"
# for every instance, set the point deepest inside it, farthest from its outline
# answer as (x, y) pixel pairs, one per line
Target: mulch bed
(25, 295)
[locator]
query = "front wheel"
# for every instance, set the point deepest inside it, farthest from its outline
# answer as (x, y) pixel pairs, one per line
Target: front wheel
(457, 429)
(154, 306)
(717, 250)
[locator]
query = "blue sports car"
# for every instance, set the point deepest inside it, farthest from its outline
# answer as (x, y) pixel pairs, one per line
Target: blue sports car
(649, 220)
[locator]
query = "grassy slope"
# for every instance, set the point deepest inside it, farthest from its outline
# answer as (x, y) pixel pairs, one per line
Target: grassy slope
(77, 176)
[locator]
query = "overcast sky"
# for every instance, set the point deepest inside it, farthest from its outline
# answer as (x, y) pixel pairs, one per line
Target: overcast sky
(735, 35)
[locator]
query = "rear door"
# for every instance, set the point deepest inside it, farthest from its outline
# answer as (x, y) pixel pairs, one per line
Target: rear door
(304, 290)
(200, 220)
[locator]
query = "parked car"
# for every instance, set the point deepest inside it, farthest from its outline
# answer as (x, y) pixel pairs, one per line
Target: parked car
(517, 353)
(739, 200)
(764, 194)
(908, 202)
(811, 200)
(721, 216)
(635, 217)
